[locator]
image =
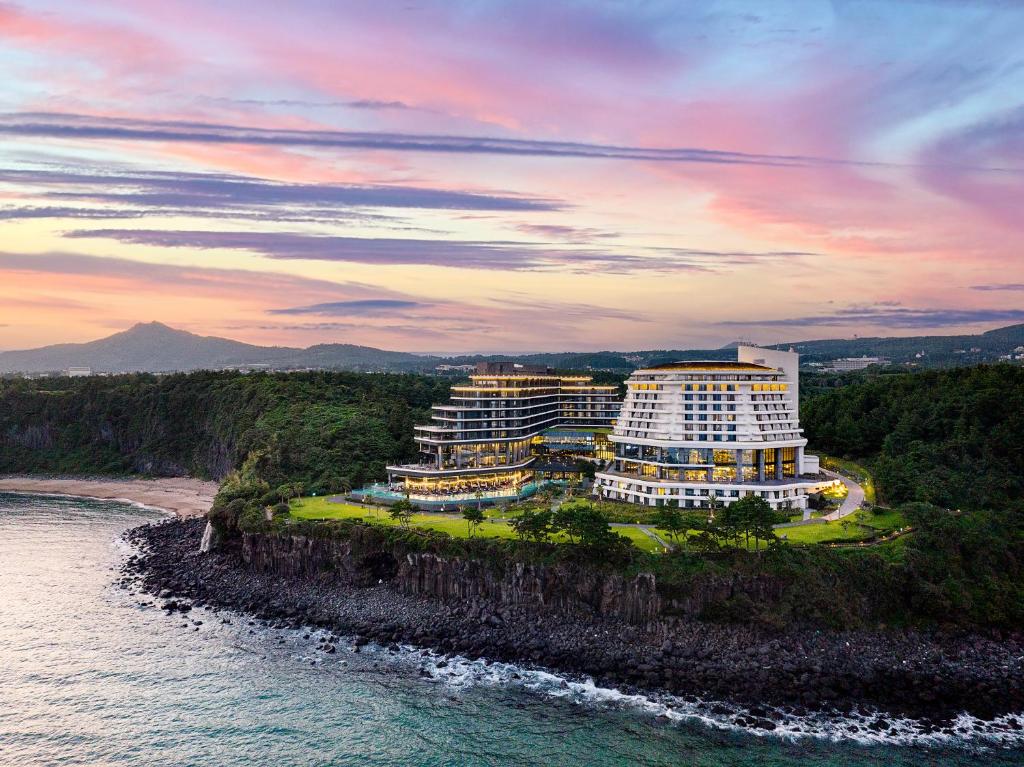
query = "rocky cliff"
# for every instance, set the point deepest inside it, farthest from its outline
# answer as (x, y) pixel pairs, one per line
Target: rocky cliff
(617, 630)
(366, 559)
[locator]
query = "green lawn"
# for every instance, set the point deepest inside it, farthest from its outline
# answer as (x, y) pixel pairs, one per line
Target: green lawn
(639, 538)
(886, 521)
(454, 525)
(861, 526)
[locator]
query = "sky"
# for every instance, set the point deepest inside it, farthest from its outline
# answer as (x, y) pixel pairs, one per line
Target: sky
(536, 175)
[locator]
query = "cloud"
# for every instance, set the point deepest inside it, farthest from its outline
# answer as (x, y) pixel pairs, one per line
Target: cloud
(500, 255)
(34, 212)
(574, 311)
(566, 233)
(370, 309)
(1000, 286)
(207, 191)
(367, 306)
(888, 316)
(373, 104)
(168, 278)
(997, 141)
(85, 127)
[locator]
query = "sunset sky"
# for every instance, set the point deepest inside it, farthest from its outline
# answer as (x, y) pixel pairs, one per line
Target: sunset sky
(509, 176)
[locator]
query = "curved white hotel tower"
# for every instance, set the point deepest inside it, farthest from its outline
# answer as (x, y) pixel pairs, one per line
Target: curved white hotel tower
(692, 431)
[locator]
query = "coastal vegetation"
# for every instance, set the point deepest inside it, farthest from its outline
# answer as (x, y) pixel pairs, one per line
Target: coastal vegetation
(943, 448)
(951, 438)
(329, 431)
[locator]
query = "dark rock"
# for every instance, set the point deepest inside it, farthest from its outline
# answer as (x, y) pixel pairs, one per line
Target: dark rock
(620, 631)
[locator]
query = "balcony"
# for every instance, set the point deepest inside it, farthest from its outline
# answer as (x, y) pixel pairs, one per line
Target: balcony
(769, 481)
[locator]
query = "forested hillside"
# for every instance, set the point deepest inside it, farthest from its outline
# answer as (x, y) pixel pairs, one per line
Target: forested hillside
(324, 429)
(954, 437)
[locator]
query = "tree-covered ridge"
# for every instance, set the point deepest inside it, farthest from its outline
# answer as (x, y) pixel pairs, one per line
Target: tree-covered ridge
(954, 438)
(323, 429)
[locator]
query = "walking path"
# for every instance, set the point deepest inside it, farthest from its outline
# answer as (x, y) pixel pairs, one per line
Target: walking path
(646, 530)
(853, 501)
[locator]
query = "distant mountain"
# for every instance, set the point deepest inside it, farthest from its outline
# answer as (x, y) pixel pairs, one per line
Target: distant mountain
(157, 348)
(925, 351)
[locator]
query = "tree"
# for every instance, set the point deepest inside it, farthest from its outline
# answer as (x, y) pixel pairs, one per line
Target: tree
(532, 524)
(724, 523)
(595, 532)
(671, 520)
(479, 495)
(473, 517)
(761, 519)
(546, 493)
(342, 485)
(582, 523)
(749, 517)
(567, 519)
(571, 487)
(402, 512)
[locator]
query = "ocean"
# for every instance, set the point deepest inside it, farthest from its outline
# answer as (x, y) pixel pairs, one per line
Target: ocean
(93, 674)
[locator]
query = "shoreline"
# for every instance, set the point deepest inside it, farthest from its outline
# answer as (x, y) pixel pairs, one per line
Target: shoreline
(927, 676)
(184, 497)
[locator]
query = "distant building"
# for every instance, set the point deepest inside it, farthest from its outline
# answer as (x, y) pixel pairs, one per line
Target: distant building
(78, 372)
(455, 368)
(846, 364)
(510, 426)
(690, 433)
(249, 367)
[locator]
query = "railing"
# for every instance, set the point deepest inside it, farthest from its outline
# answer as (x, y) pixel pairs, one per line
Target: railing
(768, 480)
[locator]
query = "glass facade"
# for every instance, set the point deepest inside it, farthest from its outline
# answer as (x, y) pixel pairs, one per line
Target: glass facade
(491, 432)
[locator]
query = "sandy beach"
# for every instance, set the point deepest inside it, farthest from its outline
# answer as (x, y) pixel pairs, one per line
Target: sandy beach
(183, 496)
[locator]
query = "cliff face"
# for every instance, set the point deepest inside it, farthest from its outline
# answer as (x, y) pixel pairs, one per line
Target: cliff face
(559, 588)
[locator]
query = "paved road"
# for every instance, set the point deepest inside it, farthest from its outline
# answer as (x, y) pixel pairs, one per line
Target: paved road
(854, 499)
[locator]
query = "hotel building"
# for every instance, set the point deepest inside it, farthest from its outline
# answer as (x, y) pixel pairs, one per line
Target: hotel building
(495, 436)
(690, 432)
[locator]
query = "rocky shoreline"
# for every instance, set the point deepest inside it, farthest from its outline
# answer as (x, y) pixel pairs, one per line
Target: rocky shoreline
(922, 675)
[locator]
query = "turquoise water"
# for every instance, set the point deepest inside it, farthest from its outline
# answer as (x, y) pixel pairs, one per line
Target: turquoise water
(90, 677)
(385, 493)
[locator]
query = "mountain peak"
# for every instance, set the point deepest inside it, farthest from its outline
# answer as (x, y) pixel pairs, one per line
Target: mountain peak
(153, 327)
(157, 347)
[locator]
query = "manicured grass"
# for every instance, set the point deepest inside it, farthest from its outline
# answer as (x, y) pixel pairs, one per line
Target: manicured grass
(321, 508)
(453, 524)
(860, 526)
(639, 538)
(457, 528)
(885, 521)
